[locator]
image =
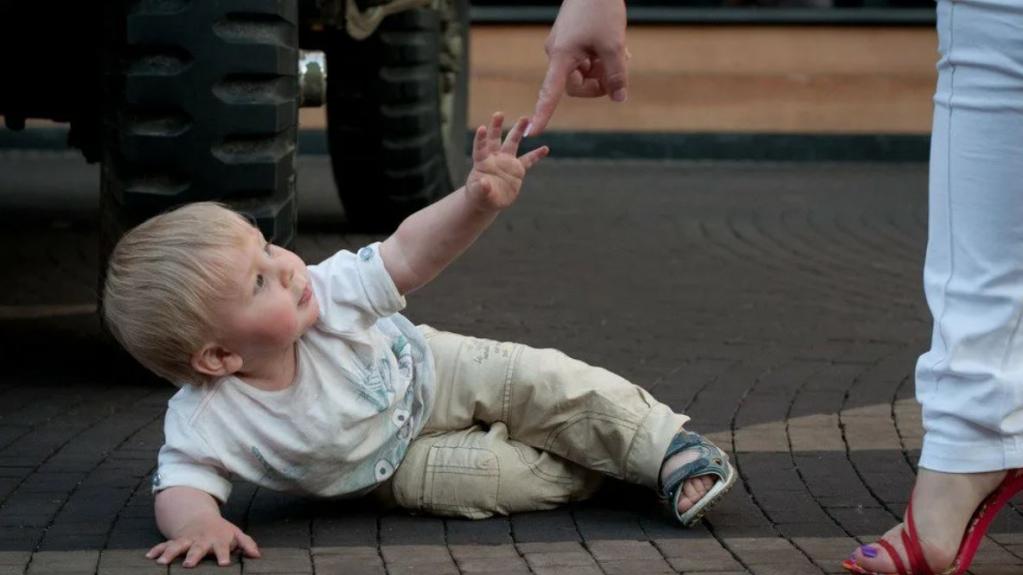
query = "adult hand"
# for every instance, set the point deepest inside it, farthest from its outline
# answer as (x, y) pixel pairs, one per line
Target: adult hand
(586, 56)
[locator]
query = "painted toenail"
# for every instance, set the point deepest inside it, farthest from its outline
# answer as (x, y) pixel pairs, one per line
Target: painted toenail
(868, 551)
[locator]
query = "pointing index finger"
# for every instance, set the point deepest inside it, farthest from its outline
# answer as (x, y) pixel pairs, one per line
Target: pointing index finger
(553, 87)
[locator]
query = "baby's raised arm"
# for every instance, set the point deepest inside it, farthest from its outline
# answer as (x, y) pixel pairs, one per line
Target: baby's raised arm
(190, 520)
(430, 239)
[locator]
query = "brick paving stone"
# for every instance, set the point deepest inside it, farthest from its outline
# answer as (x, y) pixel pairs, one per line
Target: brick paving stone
(355, 529)
(802, 567)
(403, 530)
(825, 528)
(815, 433)
(353, 559)
(63, 562)
(995, 570)
(128, 562)
(1006, 538)
(829, 474)
(863, 522)
(762, 437)
(562, 554)
(990, 553)
(567, 570)
(764, 550)
(486, 558)
(415, 554)
(274, 560)
(422, 569)
(206, 567)
(629, 567)
(487, 552)
(418, 559)
(600, 523)
(824, 549)
(870, 427)
(492, 531)
(615, 550)
(697, 555)
(556, 525)
(16, 558)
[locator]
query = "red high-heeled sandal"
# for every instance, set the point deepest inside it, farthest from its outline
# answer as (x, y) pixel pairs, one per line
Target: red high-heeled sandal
(975, 531)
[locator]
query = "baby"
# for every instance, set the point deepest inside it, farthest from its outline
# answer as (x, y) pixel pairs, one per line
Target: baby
(307, 379)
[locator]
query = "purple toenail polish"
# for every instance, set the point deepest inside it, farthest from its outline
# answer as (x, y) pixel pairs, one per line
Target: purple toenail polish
(868, 551)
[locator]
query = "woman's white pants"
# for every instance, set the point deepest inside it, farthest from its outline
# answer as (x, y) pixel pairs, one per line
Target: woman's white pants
(970, 383)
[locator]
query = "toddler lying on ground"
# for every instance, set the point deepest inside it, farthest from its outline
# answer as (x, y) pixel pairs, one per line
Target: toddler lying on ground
(307, 379)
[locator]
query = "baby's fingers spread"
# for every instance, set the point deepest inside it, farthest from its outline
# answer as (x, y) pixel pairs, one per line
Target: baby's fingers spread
(196, 552)
(494, 132)
(223, 552)
(172, 549)
(511, 142)
(479, 145)
(530, 158)
(247, 545)
(156, 550)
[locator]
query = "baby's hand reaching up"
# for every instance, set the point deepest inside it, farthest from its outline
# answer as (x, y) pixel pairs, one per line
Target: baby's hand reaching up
(497, 172)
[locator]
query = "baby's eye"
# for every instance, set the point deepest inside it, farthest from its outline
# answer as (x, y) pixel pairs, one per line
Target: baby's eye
(259, 282)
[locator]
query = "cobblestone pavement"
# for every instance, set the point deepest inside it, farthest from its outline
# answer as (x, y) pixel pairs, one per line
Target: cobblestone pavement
(778, 305)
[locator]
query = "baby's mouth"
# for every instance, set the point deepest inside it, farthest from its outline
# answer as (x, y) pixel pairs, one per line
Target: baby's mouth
(307, 294)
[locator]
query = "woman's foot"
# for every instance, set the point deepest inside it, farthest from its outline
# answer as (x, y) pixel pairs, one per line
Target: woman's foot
(694, 488)
(943, 504)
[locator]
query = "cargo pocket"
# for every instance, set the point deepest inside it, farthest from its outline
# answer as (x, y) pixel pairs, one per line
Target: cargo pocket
(450, 474)
(462, 481)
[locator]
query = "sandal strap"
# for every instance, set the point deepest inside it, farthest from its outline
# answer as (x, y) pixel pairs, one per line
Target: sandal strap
(899, 566)
(695, 468)
(711, 461)
(682, 441)
(911, 541)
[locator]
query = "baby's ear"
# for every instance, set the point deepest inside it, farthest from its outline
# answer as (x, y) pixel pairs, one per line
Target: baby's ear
(216, 360)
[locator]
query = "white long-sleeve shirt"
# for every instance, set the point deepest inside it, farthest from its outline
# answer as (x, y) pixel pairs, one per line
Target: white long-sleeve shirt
(363, 389)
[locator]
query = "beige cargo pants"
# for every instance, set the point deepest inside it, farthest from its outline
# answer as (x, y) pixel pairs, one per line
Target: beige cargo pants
(520, 429)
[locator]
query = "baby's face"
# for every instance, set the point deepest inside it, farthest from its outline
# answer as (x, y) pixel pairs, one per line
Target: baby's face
(271, 302)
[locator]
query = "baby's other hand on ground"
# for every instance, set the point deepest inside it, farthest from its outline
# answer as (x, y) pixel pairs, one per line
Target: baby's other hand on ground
(217, 536)
(497, 171)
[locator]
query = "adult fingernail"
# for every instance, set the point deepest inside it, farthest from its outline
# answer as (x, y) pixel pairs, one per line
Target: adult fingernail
(529, 127)
(868, 551)
(619, 95)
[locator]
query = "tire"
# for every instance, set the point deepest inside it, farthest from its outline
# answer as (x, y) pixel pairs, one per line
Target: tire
(201, 103)
(396, 113)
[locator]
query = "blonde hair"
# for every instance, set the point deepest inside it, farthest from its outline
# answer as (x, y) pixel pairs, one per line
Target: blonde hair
(163, 281)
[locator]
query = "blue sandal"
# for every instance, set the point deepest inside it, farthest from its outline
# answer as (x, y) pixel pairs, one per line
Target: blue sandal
(712, 461)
